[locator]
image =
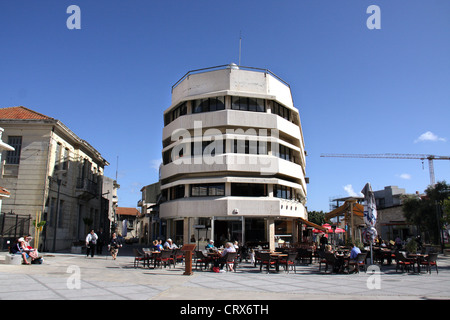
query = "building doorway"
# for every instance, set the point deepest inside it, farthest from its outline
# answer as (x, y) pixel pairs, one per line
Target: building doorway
(227, 231)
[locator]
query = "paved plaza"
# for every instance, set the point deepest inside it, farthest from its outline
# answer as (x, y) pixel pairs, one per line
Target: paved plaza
(75, 277)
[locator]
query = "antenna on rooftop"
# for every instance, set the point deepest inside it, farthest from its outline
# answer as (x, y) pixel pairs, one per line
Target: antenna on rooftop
(240, 44)
(117, 166)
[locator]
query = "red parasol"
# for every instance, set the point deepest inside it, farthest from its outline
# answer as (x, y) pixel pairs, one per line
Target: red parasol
(329, 229)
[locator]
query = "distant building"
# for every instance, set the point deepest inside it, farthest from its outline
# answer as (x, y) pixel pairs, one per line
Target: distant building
(54, 172)
(127, 222)
(150, 223)
(391, 220)
(111, 200)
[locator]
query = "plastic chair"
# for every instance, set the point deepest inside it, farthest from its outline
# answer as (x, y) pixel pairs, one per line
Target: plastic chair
(231, 258)
(429, 261)
(360, 261)
(266, 259)
(201, 258)
(289, 261)
(140, 256)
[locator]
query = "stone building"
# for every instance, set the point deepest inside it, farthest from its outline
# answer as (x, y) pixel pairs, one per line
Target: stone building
(52, 172)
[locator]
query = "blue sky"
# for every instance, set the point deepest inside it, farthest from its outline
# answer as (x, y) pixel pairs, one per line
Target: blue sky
(357, 90)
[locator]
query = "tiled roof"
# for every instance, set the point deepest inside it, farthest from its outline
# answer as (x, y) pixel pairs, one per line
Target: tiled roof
(22, 113)
(127, 211)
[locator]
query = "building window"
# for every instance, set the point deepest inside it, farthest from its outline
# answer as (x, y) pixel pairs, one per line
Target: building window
(283, 192)
(280, 110)
(248, 104)
(207, 190)
(65, 164)
(208, 104)
(177, 192)
(13, 157)
(248, 190)
(285, 153)
(249, 147)
(57, 156)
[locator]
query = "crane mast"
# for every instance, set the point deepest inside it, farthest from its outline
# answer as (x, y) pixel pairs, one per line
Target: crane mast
(422, 157)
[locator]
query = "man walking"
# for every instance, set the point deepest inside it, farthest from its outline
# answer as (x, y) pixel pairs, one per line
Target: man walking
(91, 241)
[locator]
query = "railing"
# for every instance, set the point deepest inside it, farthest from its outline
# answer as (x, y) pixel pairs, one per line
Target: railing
(87, 185)
(13, 226)
(227, 66)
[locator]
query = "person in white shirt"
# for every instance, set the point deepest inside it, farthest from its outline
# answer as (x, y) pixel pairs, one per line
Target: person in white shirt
(91, 241)
(169, 245)
(229, 248)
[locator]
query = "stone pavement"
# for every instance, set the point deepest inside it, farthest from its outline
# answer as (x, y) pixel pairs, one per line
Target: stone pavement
(75, 277)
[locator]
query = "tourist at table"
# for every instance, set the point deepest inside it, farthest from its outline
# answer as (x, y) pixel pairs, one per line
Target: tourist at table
(229, 247)
(210, 245)
(353, 255)
(169, 245)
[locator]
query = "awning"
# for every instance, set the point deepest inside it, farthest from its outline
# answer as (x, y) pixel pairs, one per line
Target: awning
(311, 224)
(358, 210)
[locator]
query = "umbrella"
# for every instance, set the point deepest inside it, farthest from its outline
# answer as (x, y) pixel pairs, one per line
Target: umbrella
(329, 229)
(370, 216)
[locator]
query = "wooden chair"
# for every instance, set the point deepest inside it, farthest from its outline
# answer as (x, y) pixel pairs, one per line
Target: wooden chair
(430, 261)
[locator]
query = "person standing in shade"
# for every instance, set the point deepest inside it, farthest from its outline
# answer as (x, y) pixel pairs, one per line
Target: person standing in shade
(91, 241)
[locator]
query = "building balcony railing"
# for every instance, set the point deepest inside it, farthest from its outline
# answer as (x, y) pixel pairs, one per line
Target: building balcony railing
(85, 185)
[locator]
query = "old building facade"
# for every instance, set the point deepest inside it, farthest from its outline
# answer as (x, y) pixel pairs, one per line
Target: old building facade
(54, 173)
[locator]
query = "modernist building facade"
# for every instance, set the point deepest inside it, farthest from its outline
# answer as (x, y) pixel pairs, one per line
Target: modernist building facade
(233, 158)
(54, 173)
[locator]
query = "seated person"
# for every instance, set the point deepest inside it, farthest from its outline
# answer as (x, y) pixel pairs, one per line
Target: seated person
(33, 253)
(19, 249)
(156, 245)
(353, 254)
(169, 245)
(229, 247)
(210, 246)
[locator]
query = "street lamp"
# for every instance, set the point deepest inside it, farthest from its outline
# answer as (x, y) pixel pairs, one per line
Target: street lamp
(58, 181)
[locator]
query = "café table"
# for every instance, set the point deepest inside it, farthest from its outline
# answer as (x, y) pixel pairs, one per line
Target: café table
(277, 256)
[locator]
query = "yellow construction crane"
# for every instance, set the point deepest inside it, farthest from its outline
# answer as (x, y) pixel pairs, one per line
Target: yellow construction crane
(422, 157)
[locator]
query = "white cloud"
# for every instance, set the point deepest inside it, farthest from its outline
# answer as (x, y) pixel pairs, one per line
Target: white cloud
(349, 189)
(429, 136)
(405, 176)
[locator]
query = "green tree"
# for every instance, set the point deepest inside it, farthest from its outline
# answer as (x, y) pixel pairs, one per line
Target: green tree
(317, 217)
(426, 212)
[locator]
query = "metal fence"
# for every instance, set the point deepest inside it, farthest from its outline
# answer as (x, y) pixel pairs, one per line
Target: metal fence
(13, 226)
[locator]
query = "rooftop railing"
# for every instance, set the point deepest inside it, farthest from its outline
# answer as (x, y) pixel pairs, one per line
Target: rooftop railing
(228, 66)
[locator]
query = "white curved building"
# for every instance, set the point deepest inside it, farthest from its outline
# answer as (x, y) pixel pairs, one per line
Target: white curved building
(233, 158)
